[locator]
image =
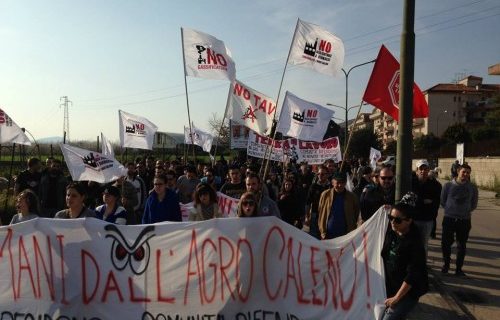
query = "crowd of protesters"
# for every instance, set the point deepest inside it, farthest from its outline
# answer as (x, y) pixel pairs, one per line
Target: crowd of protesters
(315, 200)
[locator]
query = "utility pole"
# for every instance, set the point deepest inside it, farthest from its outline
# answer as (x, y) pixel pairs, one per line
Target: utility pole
(65, 103)
(405, 138)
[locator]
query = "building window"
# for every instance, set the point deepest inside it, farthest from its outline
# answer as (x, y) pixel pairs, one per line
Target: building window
(455, 99)
(459, 98)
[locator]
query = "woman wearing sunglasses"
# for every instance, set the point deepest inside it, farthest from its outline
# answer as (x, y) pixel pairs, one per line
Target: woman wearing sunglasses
(404, 261)
(247, 206)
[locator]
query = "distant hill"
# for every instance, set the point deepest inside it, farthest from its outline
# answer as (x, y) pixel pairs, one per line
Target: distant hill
(49, 140)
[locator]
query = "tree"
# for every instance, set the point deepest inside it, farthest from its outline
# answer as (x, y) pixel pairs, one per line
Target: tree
(220, 129)
(492, 119)
(427, 142)
(484, 133)
(457, 133)
(361, 142)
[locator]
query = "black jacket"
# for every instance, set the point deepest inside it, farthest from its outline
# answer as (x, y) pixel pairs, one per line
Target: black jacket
(410, 263)
(373, 198)
(428, 191)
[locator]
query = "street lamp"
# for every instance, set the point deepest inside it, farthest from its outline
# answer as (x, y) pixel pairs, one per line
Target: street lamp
(346, 74)
(437, 121)
(346, 116)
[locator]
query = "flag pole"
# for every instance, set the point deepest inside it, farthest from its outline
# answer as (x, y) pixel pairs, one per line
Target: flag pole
(222, 125)
(185, 87)
(10, 178)
(346, 148)
(277, 102)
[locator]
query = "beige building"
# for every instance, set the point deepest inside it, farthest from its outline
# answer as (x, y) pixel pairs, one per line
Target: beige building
(467, 101)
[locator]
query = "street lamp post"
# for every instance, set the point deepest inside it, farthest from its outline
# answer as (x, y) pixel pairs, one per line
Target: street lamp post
(346, 109)
(437, 121)
(346, 116)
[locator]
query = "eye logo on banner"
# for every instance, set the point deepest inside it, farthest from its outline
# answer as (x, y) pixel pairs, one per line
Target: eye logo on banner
(136, 256)
(97, 162)
(136, 128)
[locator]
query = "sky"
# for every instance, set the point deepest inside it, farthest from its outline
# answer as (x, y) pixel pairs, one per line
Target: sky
(123, 54)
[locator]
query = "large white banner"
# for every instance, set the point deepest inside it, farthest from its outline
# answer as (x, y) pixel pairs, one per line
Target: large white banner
(136, 131)
(206, 56)
(10, 132)
(302, 119)
(239, 135)
(234, 268)
(86, 165)
(249, 107)
(299, 150)
(199, 138)
(314, 47)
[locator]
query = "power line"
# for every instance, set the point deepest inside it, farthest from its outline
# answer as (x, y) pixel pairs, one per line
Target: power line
(352, 51)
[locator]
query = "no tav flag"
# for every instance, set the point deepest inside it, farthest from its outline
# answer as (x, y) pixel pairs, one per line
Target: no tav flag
(86, 165)
(205, 56)
(199, 138)
(382, 90)
(136, 131)
(250, 108)
(314, 47)
(10, 132)
(302, 119)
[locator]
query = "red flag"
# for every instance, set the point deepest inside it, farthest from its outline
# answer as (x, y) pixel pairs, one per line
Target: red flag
(382, 90)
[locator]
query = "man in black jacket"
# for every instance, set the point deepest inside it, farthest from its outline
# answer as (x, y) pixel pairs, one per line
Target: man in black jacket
(428, 193)
(383, 193)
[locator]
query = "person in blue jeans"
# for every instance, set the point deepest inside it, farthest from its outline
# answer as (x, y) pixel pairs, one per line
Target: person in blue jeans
(403, 253)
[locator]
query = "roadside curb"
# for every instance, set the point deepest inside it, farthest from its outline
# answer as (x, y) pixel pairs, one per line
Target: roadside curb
(451, 299)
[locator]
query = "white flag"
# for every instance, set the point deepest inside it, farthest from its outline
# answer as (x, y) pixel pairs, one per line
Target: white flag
(136, 131)
(302, 119)
(375, 156)
(315, 48)
(10, 131)
(200, 138)
(107, 148)
(206, 56)
(88, 165)
(250, 108)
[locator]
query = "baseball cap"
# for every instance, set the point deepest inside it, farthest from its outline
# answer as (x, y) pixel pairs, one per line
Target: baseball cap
(422, 162)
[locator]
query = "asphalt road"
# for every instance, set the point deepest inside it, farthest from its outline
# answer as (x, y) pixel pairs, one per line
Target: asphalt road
(478, 295)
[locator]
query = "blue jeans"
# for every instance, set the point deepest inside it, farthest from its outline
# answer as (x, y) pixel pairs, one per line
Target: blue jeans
(401, 309)
(425, 229)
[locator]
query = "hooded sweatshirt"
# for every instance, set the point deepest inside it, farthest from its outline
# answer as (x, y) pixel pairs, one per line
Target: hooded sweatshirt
(459, 200)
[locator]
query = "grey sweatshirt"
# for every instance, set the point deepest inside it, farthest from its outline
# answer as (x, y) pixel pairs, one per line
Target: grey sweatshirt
(459, 200)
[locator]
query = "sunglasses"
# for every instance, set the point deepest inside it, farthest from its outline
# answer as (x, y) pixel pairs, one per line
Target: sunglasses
(397, 220)
(248, 203)
(387, 178)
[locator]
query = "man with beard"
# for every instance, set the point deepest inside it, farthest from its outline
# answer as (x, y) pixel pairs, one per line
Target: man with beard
(53, 189)
(383, 193)
(459, 198)
(428, 192)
